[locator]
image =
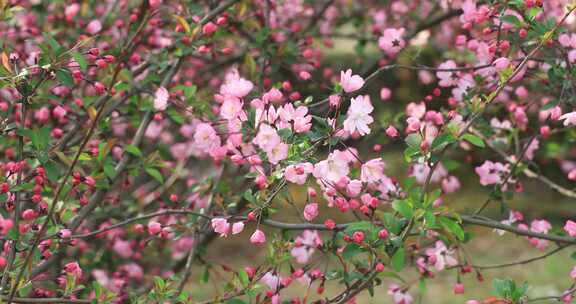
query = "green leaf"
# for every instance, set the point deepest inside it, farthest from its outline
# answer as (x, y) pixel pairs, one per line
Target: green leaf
(244, 279)
(398, 259)
(350, 251)
(54, 45)
(414, 140)
(453, 227)
(133, 150)
(155, 174)
(403, 207)
(81, 61)
(65, 78)
(443, 140)
(512, 20)
(475, 140)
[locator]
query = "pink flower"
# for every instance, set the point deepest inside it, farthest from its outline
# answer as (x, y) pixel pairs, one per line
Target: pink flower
(237, 227)
(271, 280)
(267, 138)
(413, 125)
(154, 228)
(353, 188)
(490, 172)
(385, 93)
(334, 100)
(459, 288)
(298, 173)
(358, 117)
(235, 86)
(305, 245)
(573, 273)
(391, 131)
(94, 27)
(417, 110)
(373, 171)
(392, 42)
(540, 226)
(278, 153)
(154, 3)
(349, 82)
(311, 211)
(440, 256)
(42, 115)
(569, 118)
(399, 296)
(59, 112)
(122, 248)
(447, 78)
(161, 99)
(258, 238)
(221, 226)
(450, 184)
(231, 108)
(71, 11)
(74, 269)
(205, 137)
(570, 228)
(501, 64)
(331, 169)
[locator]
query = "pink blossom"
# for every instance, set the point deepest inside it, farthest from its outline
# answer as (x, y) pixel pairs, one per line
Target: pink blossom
(154, 228)
(271, 280)
(440, 256)
(373, 171)
(205, 137)
(74, 269)
(569, 118)
(305, 245)
(236, 86)
(349, 82)
(391, 131)
(450, 184)
(353, 188)
(155, 3)
(540, 226)
(231, 108)
(331, 169)
(413, 125)
(267, 138)
(501, 64)
(258, 238)
(573, 273)
(42, 115)
(491, 173)
(298, 173)
(71, 11)
(277, 153)
(334, 100)
(416, 110)
(447, 78)
(385, 93)
(237, 227)
(310, 211)
(570, 228)
(221, 226)
(122, 248)
(94, 27)
(161, 99)
(392, 41)
(358, 117)
(399, 296)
